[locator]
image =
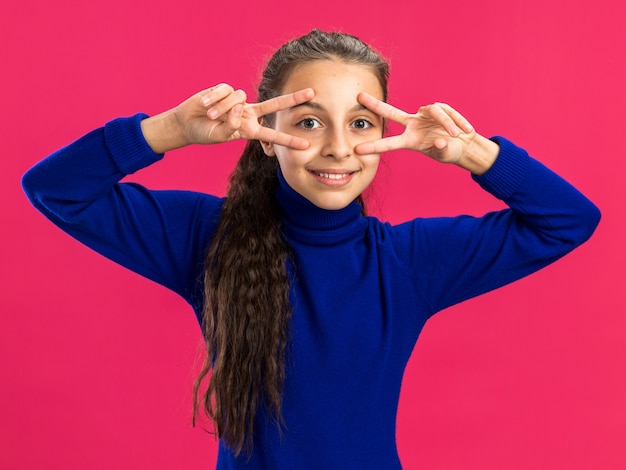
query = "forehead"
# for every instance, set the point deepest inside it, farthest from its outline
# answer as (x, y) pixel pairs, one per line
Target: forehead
(334, 79)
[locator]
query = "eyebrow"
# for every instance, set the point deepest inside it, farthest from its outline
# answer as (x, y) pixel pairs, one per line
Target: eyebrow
(314, 105)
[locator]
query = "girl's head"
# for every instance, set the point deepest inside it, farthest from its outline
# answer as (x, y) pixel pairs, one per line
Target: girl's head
(247, 312)
(338, 67)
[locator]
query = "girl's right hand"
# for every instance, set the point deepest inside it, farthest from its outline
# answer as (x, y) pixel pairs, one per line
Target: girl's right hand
(221, 114)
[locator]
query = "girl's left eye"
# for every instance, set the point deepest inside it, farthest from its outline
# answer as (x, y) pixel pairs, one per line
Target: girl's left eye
(362, 124)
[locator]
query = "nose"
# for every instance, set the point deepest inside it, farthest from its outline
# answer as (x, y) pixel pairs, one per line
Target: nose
(337, 144)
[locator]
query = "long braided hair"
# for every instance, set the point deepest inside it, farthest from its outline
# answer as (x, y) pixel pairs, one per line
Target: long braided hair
(247, 313)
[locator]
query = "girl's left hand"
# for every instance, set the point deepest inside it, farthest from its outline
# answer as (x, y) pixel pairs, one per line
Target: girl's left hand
(436, 130)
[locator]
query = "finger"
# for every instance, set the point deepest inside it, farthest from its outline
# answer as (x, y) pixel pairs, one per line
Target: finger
(384, 110)
(227, 127)
(216, 93)
(283, 102)
(226, 104)
(386, 144)
(233, 118)
(440, 144)
(267, 134)
(439, 115)
(439, 112)
(457, 117)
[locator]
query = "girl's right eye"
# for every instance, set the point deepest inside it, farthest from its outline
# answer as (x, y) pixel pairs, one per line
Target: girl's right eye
(309, 123)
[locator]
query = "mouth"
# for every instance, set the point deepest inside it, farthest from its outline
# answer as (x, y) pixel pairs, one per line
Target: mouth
(333, 177)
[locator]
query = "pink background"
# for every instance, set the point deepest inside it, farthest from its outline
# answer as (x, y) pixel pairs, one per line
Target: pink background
(96, 363)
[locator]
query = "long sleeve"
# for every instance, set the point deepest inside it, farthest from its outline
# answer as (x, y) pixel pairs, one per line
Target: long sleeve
(161, 235)
(456, 258)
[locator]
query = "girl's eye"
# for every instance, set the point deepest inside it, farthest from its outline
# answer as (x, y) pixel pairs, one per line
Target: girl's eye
(362, 124)
(309, 123)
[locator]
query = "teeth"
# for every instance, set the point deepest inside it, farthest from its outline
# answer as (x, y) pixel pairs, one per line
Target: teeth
(333, 176)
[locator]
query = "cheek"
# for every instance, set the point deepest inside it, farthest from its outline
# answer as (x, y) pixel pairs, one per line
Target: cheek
(292, 161)
(369, 135)
(371, 162)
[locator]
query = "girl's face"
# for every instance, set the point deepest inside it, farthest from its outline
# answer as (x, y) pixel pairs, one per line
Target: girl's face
(329, 173)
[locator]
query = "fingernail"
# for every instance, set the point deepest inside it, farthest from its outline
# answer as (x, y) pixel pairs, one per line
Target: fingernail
(213, 113)
(206, 101)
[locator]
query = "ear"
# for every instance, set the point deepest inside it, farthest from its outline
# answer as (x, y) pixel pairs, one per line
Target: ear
(268, 148)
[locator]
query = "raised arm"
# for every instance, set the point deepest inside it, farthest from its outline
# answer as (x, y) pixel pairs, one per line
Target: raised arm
(161, 235)
(456, 258)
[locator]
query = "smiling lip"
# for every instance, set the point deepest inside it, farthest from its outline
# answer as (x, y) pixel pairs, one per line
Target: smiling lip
(333, 177)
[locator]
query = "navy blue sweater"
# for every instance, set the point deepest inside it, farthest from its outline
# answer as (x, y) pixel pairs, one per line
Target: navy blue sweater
(362, 289)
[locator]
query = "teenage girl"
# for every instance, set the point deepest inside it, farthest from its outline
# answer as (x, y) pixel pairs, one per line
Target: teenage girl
(310, 309)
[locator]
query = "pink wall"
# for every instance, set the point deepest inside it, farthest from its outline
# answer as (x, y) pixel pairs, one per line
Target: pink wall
(96, 363)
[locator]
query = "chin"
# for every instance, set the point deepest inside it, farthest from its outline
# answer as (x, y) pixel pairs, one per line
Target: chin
(332, 205)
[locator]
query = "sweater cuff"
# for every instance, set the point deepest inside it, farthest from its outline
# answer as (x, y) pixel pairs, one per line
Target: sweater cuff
(127, 145)
(507, 172)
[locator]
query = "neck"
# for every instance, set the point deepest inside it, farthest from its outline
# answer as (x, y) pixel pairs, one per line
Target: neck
(300, 215)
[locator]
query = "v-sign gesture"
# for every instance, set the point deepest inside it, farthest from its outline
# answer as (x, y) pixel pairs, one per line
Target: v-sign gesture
(221, 114)
(436, 130)
(230, 117)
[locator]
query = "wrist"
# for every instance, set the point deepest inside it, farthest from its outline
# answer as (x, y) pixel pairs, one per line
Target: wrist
(162, 132)
(480, 155)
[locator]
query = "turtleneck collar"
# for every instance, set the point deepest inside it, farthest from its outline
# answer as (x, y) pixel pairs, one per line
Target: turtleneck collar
(303, 219)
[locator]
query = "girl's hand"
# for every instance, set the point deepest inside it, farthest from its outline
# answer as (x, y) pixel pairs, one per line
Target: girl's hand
(221, 114)
(436, 130)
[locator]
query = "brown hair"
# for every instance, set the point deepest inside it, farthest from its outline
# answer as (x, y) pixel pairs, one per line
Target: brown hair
(247, 313)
